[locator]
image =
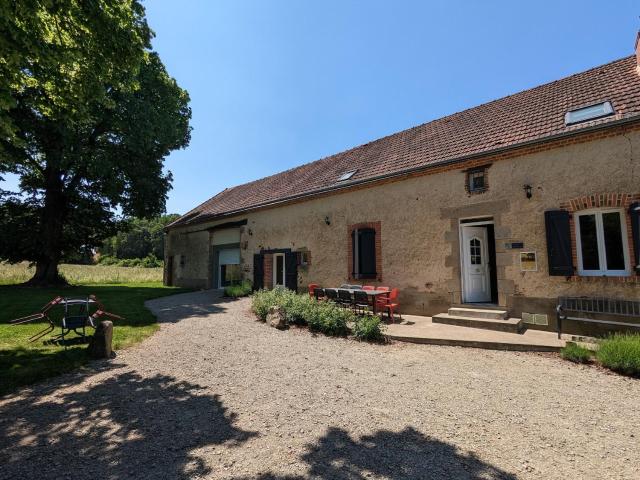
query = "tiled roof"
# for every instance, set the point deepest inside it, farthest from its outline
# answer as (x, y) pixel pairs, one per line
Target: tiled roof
(531, 115)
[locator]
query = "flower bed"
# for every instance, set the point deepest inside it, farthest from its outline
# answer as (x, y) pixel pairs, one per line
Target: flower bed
(324, 317)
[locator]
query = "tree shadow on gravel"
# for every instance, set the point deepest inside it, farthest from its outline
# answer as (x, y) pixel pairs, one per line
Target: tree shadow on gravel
(124, 427)
(408, 455)
(197, 304)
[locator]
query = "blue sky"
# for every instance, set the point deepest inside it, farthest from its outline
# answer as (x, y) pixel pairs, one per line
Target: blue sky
(275, 84)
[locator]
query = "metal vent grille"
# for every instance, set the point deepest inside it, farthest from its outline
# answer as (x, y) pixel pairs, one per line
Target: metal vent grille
(541, 319)
(535, 318)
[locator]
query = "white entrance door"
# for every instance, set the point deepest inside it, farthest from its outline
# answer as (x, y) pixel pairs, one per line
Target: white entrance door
(278, 270)
(475, 265)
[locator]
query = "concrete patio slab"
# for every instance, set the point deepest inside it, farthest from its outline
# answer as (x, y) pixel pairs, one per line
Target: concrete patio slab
(417, 329)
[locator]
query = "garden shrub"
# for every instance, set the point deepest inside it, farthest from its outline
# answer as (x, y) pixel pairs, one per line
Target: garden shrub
(621, 352)
(369, 328)
(297, 308)
(261, 301)
(240, 290)
(576, 353)
(329, 319)
(321, 317)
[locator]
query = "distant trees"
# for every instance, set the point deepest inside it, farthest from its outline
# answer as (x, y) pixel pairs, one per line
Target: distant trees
(137, 238)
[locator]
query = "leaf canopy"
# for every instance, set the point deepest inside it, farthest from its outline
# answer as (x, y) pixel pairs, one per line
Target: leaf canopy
(88, 113)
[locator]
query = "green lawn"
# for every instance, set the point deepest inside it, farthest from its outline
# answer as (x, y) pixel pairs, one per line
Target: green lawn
(22, 363)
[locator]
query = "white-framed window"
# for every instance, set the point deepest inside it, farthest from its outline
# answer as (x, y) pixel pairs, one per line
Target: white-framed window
(601, 242)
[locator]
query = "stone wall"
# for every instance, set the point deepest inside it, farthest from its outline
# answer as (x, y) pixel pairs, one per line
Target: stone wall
(419, 227)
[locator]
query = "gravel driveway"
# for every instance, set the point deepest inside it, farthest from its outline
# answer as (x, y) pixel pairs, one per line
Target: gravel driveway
(216, 394)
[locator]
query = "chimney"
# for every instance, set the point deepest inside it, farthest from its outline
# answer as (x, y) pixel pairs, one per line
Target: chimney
(638, 52)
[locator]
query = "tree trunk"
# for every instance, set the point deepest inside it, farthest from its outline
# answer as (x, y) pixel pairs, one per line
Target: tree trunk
(47, 274)
(51, 231)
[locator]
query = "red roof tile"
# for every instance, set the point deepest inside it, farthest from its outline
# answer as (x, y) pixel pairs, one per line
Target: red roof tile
(531, 115)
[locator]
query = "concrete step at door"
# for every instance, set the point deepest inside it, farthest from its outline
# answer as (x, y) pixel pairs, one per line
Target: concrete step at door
(483, 313)
(511, 325)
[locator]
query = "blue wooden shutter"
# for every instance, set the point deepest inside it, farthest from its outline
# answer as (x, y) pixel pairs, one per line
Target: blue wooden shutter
(367, 253)
(559, 243)
(258, 271)
(291, 271)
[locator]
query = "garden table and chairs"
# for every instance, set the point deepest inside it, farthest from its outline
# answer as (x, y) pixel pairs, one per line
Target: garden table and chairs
(360, 298)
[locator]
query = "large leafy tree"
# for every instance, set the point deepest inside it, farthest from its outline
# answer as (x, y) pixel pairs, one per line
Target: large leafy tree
(87, 115)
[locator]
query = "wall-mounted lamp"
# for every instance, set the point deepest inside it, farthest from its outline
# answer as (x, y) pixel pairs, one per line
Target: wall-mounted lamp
(327, 221)
(250, 232)
(527, 190)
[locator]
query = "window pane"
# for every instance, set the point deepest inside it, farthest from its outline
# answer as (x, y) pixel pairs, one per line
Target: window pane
(589, 242)
(476, 181)
(613, 240)
(474, 250)
(232, 274)
(279, 270)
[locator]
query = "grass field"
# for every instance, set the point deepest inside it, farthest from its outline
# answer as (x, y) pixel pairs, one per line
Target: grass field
(83, 274)
(22, 362)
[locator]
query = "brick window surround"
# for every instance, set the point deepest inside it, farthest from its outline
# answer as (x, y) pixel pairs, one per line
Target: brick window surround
(602, 200)
(375, 226)
(267, 275)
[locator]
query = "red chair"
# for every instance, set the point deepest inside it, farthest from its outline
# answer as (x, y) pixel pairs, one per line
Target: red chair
(312, 289)
(381, 300)
(368, 287)
(390, 304)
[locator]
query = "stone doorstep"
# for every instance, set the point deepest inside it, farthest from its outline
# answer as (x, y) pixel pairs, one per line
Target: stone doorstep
(480, 306)
(495, 314)
(511, 325)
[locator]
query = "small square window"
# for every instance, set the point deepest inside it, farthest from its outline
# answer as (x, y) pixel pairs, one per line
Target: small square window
(477, 180)
(304, 258)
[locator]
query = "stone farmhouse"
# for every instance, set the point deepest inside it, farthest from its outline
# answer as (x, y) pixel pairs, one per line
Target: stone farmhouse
(511, 203)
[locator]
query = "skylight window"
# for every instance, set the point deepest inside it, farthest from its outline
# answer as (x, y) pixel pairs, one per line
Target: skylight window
(588, 113)
(347, 175)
